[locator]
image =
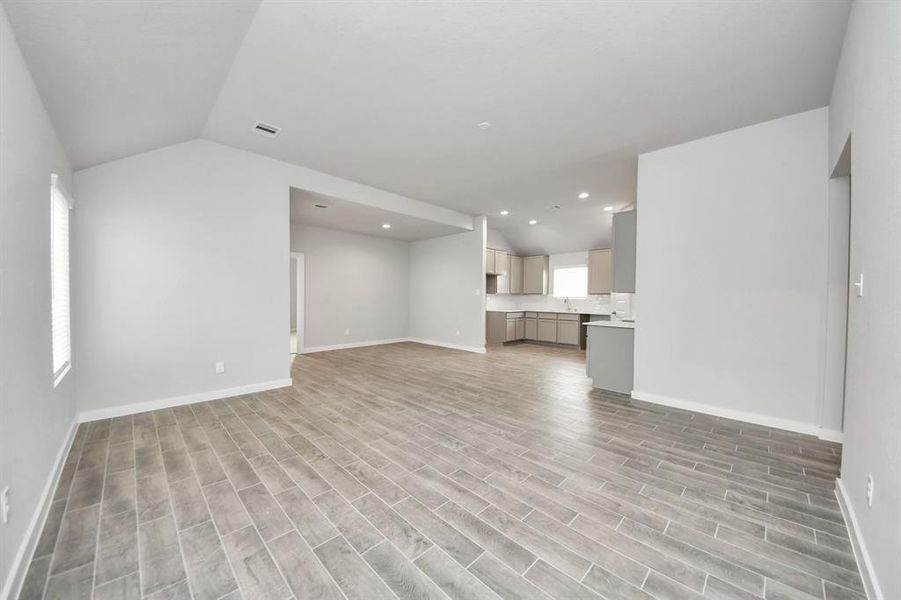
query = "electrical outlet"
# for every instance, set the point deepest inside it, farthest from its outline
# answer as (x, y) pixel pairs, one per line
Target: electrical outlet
(4, 504)
(458, 333)
(220, 367)
(347, 332)
(869, 490)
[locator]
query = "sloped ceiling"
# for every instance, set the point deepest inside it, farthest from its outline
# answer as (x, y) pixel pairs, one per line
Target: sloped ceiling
(390, 93)
(120, 77)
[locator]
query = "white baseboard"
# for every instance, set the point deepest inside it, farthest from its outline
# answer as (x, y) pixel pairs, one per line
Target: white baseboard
(139, 407)
(19, 568)
(476, 349)
(740, 415)
(313, 349)
(864, 565)
(831, 435)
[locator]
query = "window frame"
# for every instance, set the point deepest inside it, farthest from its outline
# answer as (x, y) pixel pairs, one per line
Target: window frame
(60, 265)
(554, 281)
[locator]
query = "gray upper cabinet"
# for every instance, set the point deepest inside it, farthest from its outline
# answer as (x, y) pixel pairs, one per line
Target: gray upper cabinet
(624, 235)
(534, 274)
(501, 262)
(599, 267)
(489, 262)
(515, 274)
(502, 266)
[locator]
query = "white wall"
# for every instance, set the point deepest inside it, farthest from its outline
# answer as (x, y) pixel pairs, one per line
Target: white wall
(732, 272)
(35, 417)
(447, 289)
(182, 261)
(866, 104)
(352, 281)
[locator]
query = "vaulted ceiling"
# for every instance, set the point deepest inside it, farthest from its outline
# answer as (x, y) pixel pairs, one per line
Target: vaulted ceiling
(390, 93)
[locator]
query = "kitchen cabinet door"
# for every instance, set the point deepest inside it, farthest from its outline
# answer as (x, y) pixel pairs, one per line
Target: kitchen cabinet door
(568, 332)
(511, 330)
(520, 329)
(599, 263)
(531, 329)
(547, 330)
(501, 262)
(534, 274)
(515, 274)
(624, 237)
(502, 266)
(489, 262)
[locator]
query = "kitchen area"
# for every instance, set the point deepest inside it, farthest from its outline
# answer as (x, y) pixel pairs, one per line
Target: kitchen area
(580, 300)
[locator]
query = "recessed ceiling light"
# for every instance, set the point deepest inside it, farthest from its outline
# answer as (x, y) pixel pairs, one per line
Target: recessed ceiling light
(608, 208)
(484, 125)
(532, 222)
(584, 195)
(321, 205)
(386, 225)
(504, 213)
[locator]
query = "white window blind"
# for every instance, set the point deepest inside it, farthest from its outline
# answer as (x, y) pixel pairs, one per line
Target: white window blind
(59, 282)
(571, 282)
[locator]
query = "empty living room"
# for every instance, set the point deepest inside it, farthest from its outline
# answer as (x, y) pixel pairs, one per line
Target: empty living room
(450, 299)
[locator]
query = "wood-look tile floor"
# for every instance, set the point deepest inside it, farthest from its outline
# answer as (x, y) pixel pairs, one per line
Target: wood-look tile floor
(408, 471)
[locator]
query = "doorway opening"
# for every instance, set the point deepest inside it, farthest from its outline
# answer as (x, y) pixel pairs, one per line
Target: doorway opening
(838, 293)
(296, 303)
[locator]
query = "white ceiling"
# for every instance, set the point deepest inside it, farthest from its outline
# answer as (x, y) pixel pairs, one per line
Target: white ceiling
(345, 215)
(389, 93)
(119, 77)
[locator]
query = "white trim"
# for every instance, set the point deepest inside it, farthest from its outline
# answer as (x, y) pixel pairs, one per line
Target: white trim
(831, 435)
(313, 349)
(139, 407)
(298, 258)
(19, 567)
(864, 565)
(740, 415)
(476, 349)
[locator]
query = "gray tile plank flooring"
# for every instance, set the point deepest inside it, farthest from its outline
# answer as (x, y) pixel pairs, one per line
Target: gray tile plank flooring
(407, 471)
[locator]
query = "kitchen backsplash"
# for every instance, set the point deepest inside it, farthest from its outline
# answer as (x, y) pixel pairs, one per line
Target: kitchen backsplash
(595, 305)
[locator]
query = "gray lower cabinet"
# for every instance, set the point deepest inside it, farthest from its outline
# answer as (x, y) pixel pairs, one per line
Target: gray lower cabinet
(547, 329)
(568, 332)
(501, 327)
(556, 328)
(531, 327)
(609, 358)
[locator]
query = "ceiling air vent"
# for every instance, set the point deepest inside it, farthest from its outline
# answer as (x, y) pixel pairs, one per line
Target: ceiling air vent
(266, 129)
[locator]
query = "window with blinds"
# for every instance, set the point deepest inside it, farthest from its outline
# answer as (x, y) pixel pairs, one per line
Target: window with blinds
(59, 282)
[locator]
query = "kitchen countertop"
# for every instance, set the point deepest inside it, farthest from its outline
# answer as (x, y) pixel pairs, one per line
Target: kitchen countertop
(553, 312)
(620, 324)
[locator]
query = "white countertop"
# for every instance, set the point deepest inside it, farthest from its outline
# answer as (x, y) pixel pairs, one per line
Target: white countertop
(552, 312)
(620, 324)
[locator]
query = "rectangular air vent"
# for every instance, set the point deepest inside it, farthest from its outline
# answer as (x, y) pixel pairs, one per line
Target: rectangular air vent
(266, 129)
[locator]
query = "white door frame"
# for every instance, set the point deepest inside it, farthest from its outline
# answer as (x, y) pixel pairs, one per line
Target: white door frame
(298, 259)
